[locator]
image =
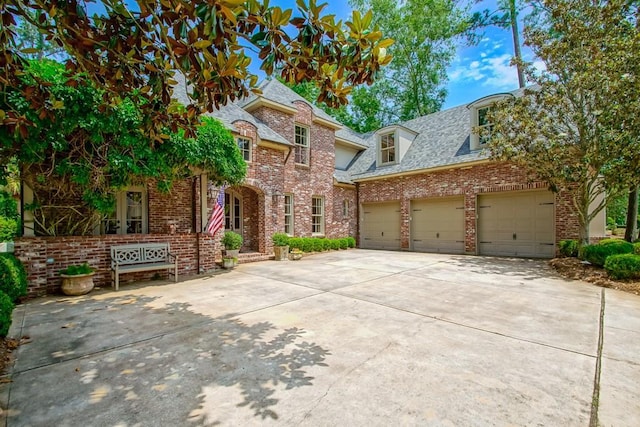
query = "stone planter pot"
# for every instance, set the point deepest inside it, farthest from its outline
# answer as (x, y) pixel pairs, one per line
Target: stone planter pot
(79, 284)
(233, 253)
(229, 263)
(295, 256)
(281, 253)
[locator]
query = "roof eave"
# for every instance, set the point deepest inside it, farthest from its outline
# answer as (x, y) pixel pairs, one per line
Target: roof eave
(424, 170)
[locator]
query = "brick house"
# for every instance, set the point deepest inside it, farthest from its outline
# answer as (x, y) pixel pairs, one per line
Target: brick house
(421, 185)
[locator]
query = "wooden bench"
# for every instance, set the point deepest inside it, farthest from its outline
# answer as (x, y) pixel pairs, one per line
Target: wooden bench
(141, 257)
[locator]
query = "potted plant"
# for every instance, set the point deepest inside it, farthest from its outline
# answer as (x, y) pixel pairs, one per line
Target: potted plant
(232, 243)
(77, 279)
(280, 246)
(228, 262)
(295, 254)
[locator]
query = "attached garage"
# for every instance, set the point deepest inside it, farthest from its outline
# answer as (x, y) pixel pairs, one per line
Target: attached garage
(380, 226)
(519, 224)
(437, 225)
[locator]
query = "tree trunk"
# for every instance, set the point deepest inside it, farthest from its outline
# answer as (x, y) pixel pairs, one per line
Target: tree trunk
(631, 232)
(513, 15)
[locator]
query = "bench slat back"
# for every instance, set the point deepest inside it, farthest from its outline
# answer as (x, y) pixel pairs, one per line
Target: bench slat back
(142, 253)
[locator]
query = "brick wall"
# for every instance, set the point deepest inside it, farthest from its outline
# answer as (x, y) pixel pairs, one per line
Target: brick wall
(467, 182)
(303, 181)
(43, 257)
(174, 208)
(343, 226)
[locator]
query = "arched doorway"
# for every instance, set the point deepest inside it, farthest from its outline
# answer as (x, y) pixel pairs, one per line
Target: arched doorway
(243, 210)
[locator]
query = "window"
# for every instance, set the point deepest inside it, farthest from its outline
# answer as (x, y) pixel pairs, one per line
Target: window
(345, 208)
(485, 127)
(302, 145)
(232, 211)
(130, 216)
(244, 145)
(317, 215)
(387, 148)
(288, 214)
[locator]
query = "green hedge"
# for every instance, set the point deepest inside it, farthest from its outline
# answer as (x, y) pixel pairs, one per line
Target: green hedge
(624, 266)
(8, 229)
(597, 254)
(9, 217)
(280, 239)
(13, 277)
(568, 248)
(315, 244)
(636, 248)
(6, 308)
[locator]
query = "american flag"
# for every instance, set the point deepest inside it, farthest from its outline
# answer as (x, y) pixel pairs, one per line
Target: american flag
(216, 222)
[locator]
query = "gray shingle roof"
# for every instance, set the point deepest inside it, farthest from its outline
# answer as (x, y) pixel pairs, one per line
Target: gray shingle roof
(443, 139)
(229, 114)
(277, 92)
(342, 177)
(352, 136)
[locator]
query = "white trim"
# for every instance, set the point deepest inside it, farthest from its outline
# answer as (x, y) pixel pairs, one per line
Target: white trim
(322, 216)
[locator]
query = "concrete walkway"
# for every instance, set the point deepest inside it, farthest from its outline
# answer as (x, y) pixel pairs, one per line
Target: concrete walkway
(350, 338)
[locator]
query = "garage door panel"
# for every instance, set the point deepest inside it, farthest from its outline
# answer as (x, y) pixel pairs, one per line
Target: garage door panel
(516, 224)
(437, 225)
(381, 226)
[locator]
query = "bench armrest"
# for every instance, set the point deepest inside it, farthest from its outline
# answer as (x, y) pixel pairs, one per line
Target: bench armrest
(172, 257)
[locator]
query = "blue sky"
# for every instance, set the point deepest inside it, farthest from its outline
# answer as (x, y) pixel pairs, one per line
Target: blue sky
(476, 71)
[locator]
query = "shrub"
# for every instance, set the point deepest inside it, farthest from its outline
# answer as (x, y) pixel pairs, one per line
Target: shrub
(352, 242)
(307, 244)
(623, 266)
(13, 277)
(8, 206)
(231, 241)
(326, 244)
(295, 243)
(8, 229)
(597, 254)
(610, 241)
(636, 248)
(6, 308)
(280, 239)
(77, 270)
(317, 245)
(335, 244)
(568, 248)
(344, 243)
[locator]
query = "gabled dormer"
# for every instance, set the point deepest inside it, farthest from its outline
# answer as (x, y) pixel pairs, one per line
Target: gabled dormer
(479, 115)
(392, 143)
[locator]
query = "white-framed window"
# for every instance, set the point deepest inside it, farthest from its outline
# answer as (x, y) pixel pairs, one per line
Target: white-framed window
(484, 126)
(130, 216)
(317, 215)
(345, 208)
(288, 214)
(301, 145)
(233, 211)
(388, 148)
(244, 144)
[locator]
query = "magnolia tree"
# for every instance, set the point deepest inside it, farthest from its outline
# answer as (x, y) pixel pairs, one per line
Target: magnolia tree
(104, 118)
(577, 127)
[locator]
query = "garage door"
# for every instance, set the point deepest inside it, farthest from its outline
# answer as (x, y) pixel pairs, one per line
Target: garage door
(381, 226)
(516, 224)
(437, 225)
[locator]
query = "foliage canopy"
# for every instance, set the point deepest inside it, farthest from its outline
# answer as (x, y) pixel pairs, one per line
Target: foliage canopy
(578, 127)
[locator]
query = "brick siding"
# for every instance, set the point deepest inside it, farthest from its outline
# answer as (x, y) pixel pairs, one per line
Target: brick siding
(468, 182)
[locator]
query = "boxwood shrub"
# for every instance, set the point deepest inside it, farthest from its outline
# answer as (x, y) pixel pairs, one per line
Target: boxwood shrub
(6, 308)
(597, 254)
(636, 248)
(295, 243)
(568, 248)
(623, 266)
(13, 277)
(352, 242)
(8, 229)
(315, 244)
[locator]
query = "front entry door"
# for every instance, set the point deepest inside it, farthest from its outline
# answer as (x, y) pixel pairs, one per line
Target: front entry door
(233, 212)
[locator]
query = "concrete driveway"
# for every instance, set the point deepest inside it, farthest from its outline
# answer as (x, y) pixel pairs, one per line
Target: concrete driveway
(345, 338)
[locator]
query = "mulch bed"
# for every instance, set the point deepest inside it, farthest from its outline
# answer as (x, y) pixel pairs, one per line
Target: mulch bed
(573, 268)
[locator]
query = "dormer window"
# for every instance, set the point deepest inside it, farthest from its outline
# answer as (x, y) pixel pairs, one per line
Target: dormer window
(388, 148)
(484, 126)
(481, 127)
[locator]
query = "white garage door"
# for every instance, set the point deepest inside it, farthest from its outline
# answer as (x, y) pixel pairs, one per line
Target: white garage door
(380, 226)
(516, 224)
(437, 225)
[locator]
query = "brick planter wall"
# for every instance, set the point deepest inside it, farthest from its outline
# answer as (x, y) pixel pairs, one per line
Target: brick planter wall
(43, 257)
